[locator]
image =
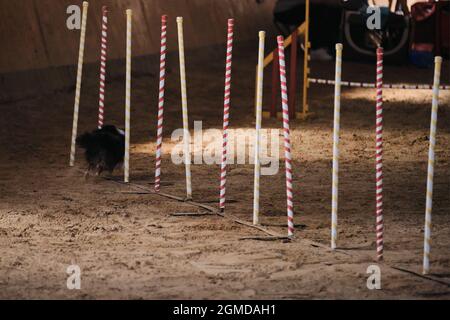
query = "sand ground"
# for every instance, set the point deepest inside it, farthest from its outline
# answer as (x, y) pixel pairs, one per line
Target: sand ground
(127, 243)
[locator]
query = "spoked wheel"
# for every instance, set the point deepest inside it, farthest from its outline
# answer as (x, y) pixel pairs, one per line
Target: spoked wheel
(361, 42)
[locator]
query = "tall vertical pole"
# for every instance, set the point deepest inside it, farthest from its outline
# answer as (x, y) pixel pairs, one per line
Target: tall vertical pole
(162, 80)
(379, 155)
(259, 97)
(186, 134)
(127, 99)
(226, 114)
(431, 158)
(104, 43)
(335, 174)
(78, 84)
(287, 139)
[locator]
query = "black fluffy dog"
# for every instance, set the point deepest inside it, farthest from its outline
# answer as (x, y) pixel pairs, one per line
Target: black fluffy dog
(104, 147)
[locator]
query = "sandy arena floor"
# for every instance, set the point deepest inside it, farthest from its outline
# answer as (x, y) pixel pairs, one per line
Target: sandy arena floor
(127, 243)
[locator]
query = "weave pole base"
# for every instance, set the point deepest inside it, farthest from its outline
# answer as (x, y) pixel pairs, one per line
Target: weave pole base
(272, 235)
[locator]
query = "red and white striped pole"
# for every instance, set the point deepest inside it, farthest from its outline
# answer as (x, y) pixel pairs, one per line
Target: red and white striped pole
(104, 43)
(379, 155)
(162, 80)
(226, 114)
(287, 139)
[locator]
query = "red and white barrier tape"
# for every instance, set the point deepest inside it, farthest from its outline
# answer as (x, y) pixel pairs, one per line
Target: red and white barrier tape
(372, 85)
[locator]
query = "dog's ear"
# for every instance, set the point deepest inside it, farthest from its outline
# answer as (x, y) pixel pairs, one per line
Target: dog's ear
(84, 140)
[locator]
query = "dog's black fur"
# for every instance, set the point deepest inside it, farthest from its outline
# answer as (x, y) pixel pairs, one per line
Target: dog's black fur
(104, 148)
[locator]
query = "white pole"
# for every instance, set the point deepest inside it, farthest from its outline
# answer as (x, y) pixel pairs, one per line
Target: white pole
(78, 84)
(186, 134)
(430, 176)
(127, 99)
(337, 116)
(259, 97)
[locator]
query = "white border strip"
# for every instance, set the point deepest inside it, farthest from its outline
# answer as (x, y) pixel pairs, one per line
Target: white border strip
(372, 85)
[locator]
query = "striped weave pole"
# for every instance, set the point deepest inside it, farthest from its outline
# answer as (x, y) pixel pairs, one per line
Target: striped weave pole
(101, 98)
(372, 85)
(379, 155)
(162, 80)
(226, 114)
(186, 134)
(259, 97)
(127, 99)
(287, 139)
(78, 84)
(430, 176)
(336, 129)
